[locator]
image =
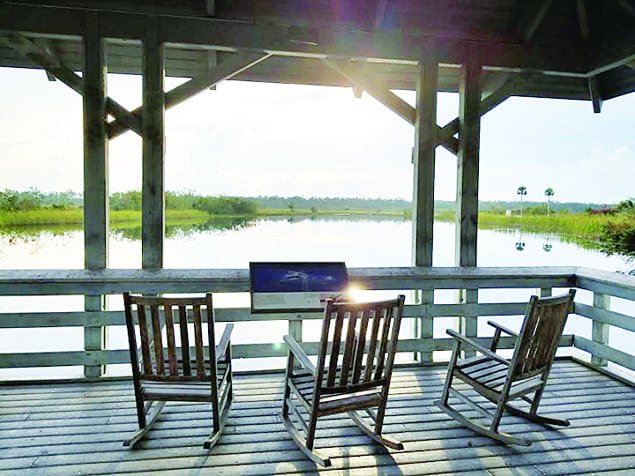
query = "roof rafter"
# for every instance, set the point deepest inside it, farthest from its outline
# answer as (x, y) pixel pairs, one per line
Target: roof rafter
(593, 81)
(380, 13)
(627, 6)
(532, 20)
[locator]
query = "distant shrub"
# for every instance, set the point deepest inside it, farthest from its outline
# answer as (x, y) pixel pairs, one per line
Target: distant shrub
(126, 200)
(225, 206)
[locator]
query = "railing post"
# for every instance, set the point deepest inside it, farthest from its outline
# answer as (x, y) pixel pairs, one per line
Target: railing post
(424, 325)
(544, 292)
(295, 327)
(94, 337)
(468, 323)
(600, 332)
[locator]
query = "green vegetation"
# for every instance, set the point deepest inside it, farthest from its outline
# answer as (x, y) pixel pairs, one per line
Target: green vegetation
(610, 228)
(618, 234)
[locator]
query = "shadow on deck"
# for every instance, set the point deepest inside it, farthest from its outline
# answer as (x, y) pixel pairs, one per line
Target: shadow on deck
(79, 429)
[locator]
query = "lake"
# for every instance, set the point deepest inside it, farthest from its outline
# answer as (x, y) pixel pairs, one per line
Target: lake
(233, 243)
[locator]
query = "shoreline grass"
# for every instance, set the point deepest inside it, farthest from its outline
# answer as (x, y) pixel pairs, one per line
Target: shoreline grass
(580, 228)
(75, 216)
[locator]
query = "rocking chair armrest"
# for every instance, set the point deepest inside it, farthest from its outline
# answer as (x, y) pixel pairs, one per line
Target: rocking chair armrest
(503, 328)
(298, 353)
(225, 341)
(472, 343)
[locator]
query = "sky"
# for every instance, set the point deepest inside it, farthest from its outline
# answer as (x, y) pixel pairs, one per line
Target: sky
(249, 139)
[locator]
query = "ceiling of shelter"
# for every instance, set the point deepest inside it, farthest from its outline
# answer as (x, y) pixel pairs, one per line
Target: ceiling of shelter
(578, 49)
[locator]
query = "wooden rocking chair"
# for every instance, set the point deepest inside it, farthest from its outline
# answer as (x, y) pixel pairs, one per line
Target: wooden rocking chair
(501, 380)
(353, 372)
(166, 372)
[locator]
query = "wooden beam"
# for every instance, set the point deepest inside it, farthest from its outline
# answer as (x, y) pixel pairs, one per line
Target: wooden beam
(583, 19)
(43, 58)
(210, 7)
(275, 38)
(595, 92)
(153, 187)
(96, 206)
(593, 81)
(380, 13)
(468, 165)
(226, 70)
(626, 5)
(532, 19)
(424, 164)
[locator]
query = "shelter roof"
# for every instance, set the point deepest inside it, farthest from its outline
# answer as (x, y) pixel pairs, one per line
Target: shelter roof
(575, 49)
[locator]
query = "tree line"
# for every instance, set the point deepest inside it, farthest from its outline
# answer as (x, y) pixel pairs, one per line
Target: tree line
(12, 200)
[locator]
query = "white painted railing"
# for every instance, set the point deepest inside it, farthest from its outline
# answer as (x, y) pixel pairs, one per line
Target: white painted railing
(605, 288)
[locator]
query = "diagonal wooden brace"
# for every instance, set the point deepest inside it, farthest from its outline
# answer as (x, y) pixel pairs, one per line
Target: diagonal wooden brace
(384, 95)
(226, 70)
(42, 57)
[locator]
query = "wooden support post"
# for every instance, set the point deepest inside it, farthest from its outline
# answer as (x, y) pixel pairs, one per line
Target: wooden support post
(153, 188)
(423, 189)
(95, 177)
(467, 181)
(600, 331)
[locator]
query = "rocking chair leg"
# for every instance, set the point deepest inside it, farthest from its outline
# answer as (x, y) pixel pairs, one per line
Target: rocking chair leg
(141, 432)
(215, 435)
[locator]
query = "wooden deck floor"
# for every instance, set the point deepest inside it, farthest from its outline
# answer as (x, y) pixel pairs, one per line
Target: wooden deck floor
(79, 428)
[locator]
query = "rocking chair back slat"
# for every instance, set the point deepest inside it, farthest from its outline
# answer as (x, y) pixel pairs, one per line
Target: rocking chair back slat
(539, 337)
(185, 342)
(358, 365)
(198, 341)
(145, 340)
(157, 340)
(169, 331)
(335, 348)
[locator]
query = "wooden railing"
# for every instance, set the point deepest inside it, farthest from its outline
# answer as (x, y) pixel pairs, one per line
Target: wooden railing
(611, 305)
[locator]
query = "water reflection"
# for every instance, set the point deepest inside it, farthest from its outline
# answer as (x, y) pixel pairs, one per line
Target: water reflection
(16, 235)
(187, 229)
(520, 243)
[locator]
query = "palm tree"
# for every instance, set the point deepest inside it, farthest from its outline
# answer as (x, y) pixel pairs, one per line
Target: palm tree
(522, 190)
(549, 194)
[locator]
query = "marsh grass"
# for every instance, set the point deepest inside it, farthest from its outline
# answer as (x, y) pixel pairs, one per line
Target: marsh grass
(580, 228)
(75, 216)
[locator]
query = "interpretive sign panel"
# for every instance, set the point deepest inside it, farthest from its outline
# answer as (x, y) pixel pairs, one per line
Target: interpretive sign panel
(295, 286)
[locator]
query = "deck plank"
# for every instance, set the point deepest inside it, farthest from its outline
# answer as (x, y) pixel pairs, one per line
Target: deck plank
(79, 429)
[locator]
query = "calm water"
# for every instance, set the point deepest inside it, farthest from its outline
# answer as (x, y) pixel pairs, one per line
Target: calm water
(359, 242)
